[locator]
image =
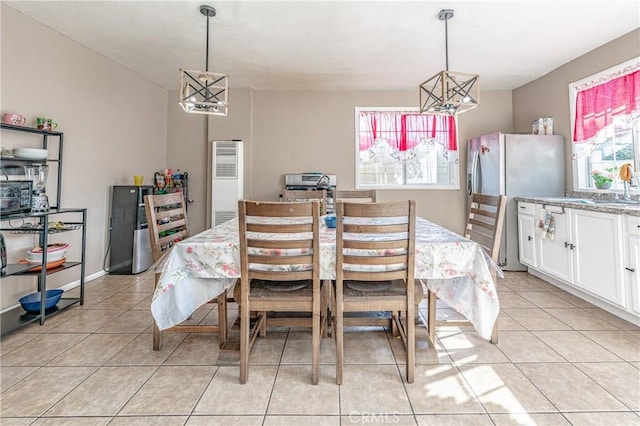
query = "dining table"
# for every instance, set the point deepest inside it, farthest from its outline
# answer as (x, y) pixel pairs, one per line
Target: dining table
(199, 268)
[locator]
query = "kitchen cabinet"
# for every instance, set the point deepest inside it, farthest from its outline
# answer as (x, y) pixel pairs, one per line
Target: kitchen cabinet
(555, 256)
(598, 259)
(632, 264)
(595, 253)
(55, 220)
(527, 234)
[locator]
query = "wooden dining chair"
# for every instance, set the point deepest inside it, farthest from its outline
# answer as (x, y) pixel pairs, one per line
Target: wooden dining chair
(280, 271)
(375, 268)
(485, 222)
(168, 223)
(354, 195)
(304, 195)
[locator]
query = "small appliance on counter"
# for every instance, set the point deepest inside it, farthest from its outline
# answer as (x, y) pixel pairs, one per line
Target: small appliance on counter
(313, 181)
(15, 196)
(38, 173)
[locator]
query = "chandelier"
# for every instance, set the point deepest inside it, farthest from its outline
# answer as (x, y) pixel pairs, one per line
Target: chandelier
(449, 92)
(204, 92)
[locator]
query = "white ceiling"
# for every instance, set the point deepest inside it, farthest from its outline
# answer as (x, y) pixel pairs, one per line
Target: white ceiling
(322, 45)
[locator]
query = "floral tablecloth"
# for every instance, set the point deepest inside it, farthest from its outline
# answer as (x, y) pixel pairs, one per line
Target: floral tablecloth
(201, 267)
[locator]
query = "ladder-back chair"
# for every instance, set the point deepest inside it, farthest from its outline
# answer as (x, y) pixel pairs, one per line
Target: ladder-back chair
(280, 271)
(375, 249)
(168, 223)
(485, 222)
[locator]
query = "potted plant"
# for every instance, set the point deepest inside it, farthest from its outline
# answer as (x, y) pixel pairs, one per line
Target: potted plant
(603, 178)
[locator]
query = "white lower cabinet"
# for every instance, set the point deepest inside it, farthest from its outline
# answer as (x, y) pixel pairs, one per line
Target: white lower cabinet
(527, 234)
(632, 264)
(598, 255)
(594, 253)
(555, 255)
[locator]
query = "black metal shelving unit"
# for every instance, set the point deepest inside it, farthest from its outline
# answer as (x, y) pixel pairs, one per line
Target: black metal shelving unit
(47, 135)
(39, 223)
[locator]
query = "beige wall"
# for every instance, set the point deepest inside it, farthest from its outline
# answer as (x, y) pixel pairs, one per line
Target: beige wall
(187, 151)
(113, 122)
(297, 131)
(549, 95)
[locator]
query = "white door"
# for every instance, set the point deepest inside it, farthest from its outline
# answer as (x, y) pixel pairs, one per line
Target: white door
(527, 239)
(633, 274)
(556, 255)
(598, 255)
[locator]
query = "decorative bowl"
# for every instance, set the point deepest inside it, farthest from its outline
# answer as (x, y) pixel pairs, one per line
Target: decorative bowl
(330, 221)
(31, 302)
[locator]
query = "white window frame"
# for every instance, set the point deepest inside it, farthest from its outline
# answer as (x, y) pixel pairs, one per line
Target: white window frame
(573, 94)
(455, 185)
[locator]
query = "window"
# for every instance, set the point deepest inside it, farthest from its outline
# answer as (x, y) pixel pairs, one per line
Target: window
(605, 122)
(400, 148)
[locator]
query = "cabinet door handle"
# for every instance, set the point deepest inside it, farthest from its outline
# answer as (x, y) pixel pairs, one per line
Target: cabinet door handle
(630, 269)
(569, 245)
(529, 238)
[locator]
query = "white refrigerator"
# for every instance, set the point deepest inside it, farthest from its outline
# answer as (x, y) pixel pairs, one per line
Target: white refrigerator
(515, 165)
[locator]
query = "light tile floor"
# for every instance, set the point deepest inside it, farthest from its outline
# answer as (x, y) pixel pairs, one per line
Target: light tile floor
(559, 361)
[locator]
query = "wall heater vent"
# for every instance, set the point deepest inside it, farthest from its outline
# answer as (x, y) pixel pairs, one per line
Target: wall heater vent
(228, 182)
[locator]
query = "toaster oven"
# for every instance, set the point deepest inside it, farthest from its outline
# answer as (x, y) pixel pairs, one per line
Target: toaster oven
(15, 196)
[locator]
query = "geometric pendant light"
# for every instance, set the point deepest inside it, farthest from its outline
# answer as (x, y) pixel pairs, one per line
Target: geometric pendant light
(204, 92)
(449, 92)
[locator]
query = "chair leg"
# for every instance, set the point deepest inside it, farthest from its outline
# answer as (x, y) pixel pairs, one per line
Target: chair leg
(157, 337)
(315, 338)
(431, 323)
(394, 324)
(263, 326)
(494, 333)
(222, 317)
(339, 333)
(325, 298)
(244, 339)
(410, 330)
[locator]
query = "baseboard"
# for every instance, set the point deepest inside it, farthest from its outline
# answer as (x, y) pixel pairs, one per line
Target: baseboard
(612, 309)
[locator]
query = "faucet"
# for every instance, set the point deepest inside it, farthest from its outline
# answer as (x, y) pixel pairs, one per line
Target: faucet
(625, 195)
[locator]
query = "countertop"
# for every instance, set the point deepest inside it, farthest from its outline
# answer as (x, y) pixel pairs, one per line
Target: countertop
(631, 208)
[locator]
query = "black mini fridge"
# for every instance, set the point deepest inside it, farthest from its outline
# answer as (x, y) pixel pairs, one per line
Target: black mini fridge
(130, 247)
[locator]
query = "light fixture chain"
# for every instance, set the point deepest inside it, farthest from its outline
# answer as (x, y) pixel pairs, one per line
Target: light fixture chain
(446, 44)
(206, 66)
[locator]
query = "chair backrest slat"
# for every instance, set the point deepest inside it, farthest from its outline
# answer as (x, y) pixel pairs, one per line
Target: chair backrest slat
(485, 221)
(279, 241)
(289, 195)
(356, 195)
(167, 221)
(375, 241)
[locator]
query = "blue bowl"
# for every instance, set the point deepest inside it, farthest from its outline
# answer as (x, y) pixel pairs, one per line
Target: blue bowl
(330, 221)
(31, 302)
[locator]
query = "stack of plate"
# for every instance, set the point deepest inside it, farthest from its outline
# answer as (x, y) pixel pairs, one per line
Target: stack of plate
(55, 252)
(30, 153)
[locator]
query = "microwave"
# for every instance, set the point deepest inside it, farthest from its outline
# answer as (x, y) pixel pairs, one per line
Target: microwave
(15, 196)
